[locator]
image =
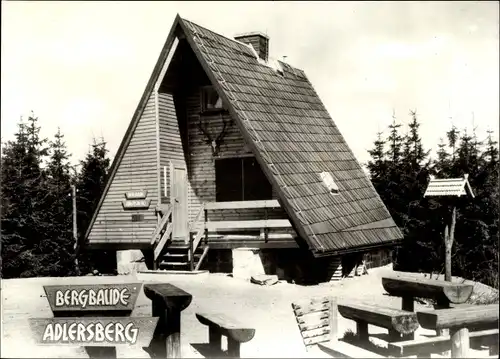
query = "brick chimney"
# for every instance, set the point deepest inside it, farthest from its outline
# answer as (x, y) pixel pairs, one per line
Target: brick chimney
(258, 40)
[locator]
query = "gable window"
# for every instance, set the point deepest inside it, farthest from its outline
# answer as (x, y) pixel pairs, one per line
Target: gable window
(210, 100)
(240, 179)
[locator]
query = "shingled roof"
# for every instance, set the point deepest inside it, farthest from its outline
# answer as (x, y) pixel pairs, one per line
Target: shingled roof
(294, 140)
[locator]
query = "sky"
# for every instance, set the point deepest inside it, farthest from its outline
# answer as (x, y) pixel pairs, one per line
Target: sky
(83, 66)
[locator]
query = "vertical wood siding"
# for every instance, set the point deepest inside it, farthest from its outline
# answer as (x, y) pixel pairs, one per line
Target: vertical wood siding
(137, 171)
(201, 166)
(170, 140)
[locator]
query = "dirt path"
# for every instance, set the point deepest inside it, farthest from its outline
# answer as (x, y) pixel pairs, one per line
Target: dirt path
(266, 308)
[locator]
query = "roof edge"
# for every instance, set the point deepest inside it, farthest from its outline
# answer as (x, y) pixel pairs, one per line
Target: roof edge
(333, 253)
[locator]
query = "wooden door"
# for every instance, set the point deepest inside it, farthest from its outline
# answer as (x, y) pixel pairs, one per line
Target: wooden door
(179, 199)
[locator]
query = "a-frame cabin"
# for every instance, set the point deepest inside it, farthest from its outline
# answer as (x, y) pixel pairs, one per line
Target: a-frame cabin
(227, 150)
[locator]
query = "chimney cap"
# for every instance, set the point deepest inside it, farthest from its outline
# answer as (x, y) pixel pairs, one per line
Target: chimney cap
(251, 33)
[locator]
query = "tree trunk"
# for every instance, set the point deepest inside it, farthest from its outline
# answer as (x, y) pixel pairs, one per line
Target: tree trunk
(449, 237)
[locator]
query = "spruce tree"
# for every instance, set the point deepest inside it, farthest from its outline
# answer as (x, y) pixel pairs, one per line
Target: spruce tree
(90, 186)
(59, 252)
(24, 194)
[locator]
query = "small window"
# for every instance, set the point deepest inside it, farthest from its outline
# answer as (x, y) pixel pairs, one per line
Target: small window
(328, 181)
(210, 100)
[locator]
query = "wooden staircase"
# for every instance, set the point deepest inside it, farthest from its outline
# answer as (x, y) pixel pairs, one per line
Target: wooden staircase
(177, 254)
(177, 257)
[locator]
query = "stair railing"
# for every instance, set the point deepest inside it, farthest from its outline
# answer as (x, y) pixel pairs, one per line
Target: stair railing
(196, 232)
(163, 232)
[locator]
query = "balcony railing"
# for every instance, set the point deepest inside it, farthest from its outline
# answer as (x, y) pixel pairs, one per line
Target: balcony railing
(205, 229)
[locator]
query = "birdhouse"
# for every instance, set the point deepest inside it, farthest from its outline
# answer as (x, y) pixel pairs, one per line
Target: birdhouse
(455, 187)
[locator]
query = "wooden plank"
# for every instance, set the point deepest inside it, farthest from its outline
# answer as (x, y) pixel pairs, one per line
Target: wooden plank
(315, 332)
(318, 307)
(438, 344)
(161, 245)
(160, 226)
(115, 331)
(253, 244)
(197, 238)
(227, 326)
(468, 317)
(312, 318)
(402, 285)
(196, 221)
(92, 297)
(342, 349)
(168, 301)
(310, 326)
(202, 257)
(242, 205)
(401, 321)
(317, 339)
(270, 223)
(307, 302)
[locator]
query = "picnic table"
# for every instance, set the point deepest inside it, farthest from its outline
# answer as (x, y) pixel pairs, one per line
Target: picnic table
(408, 288)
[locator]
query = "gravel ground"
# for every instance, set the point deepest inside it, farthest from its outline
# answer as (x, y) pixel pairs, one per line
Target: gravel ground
(267, 309)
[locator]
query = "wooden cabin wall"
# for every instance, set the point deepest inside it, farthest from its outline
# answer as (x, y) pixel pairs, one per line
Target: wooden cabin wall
(137, 171)
(201, 166)
(171, 144)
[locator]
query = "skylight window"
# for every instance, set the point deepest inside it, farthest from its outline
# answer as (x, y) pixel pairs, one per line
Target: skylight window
(328, 181)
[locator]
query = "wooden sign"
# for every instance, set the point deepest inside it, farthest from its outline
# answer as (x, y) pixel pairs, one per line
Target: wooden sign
(101, 332)
(92, 297)
(136, 204)
(136, 194)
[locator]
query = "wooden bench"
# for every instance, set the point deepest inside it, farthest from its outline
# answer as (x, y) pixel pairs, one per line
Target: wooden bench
(168, 301)
(408, 288)
(400, 284)
(459, 321)
(423, 347)
(398, 322)
(220, 324)
(317, 322)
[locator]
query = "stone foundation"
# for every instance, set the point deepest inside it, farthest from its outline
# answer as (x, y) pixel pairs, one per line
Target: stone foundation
(292, 264)
(130, 261)
(247, 262)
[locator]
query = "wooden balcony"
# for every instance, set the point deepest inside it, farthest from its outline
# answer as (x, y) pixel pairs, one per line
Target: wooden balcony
(251, 233)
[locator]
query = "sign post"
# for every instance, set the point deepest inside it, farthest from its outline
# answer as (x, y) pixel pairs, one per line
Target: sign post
(94, 316)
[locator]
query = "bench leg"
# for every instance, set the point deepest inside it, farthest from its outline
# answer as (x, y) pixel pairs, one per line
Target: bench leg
(408, 304)
(214, 338)
(394, 336)
(460, 343)
(362, 330)
(233, 348)
(166, 342)
(493, 349)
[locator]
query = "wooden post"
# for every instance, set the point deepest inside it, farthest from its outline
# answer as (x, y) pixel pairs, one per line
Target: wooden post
(191, 252)
(449, 236)
(206, 230)
(408, 304)
(75, 228)
(168, 303)
(442, 304)
(214, 337)
(233, 348)
(333, 320)
(459, 342)
(362, 330)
